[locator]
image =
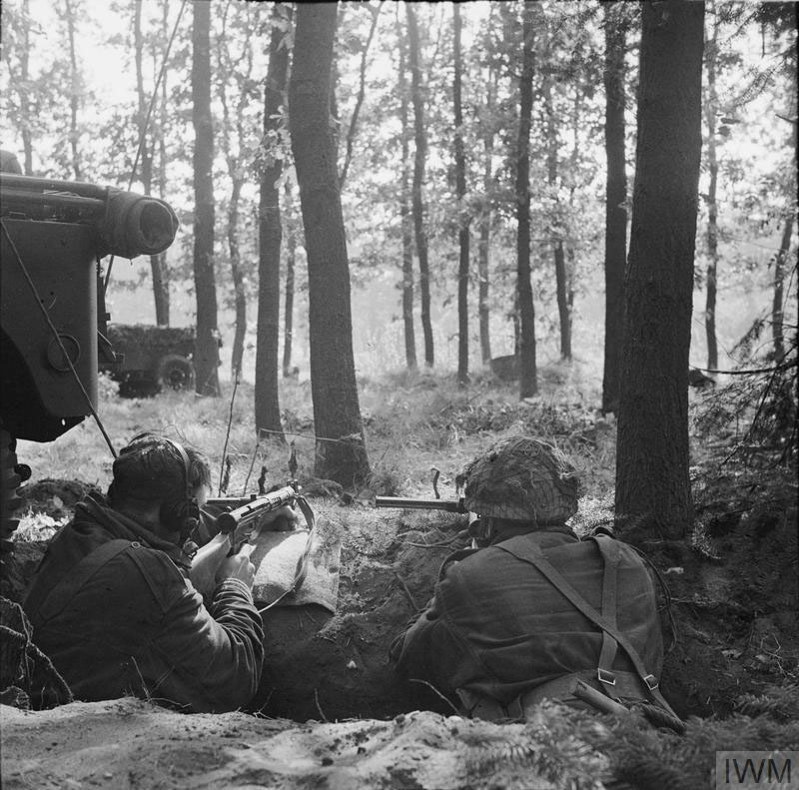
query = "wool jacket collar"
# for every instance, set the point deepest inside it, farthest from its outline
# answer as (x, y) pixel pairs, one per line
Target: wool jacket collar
(94, 511)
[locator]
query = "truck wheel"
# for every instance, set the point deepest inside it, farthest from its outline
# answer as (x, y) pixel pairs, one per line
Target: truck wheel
(175, 373)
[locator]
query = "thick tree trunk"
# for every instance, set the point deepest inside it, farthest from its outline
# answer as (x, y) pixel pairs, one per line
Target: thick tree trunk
(288, 305)
(406, 212)
(712, 208)
(463, 223)
(615, 203)
(528, 377)
(653, 492)
(420, 157)
(270, 234)
(340, 447)
(206, 356)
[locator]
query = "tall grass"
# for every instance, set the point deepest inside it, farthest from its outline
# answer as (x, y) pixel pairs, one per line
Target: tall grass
(415, 422)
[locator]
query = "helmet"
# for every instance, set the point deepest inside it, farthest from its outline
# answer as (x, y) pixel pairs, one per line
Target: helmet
(522, 479)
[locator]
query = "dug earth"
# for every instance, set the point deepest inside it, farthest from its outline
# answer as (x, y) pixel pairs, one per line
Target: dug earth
(331, 712)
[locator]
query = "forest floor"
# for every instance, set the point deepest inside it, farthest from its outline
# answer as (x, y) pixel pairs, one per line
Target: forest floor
(331, 713)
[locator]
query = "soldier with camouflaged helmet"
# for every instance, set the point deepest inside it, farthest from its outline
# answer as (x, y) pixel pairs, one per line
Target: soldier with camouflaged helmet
(535, 612)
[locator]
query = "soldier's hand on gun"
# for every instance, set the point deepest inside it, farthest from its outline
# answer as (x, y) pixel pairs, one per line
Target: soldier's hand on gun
(284, 519)
(207, 563)
(237, 567)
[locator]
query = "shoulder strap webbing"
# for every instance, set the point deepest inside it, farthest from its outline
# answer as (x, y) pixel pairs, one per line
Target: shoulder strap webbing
(609, 550)
(533, 555)
(60, 595)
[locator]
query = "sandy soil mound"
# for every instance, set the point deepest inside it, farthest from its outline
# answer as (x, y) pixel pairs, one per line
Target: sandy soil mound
(134, 744)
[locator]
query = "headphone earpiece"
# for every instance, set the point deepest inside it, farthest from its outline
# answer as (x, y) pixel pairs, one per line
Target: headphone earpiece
(183, 515)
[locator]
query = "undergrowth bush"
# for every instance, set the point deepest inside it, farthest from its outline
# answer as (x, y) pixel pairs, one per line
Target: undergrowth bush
(757, 408)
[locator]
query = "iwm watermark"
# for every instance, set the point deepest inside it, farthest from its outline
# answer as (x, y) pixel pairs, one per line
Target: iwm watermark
(778, 770)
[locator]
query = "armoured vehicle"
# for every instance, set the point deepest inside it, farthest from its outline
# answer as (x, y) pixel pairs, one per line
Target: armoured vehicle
(53, 235)
(150, 359)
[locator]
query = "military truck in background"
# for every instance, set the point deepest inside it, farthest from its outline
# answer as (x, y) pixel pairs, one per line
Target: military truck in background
(53, 235)
(150, 359)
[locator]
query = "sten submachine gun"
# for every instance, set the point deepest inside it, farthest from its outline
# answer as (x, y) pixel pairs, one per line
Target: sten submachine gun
(241, 523)
(449, 505)
(474, 530)
(239, 515)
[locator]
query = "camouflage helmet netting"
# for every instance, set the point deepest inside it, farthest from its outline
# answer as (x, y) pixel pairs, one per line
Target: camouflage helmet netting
(522, 479)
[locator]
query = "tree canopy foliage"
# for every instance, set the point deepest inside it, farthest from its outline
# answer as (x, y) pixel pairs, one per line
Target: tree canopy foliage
(77, 79)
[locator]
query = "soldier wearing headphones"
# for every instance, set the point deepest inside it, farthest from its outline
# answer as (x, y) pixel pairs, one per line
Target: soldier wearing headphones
(119, 606)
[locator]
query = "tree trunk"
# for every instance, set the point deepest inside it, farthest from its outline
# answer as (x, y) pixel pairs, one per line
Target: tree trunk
(528, 377)
(24, 102)
(206, 356)
(463, 223)
(564, 297)
(712, 208)
(270, 232)
(653, 492)
(777, 308)
(777, 314)
(160, 288)
(484, 248)
(571, 241)
(406, 213)
(239, 291)
(74, 92)
(291, 257)
(561, 280)
(615, 203)
(161, 270)
(420, 157)
(340, 447)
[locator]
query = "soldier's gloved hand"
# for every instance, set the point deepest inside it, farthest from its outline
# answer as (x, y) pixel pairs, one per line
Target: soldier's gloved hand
(207, 562)
(237, 567)
(283, 519)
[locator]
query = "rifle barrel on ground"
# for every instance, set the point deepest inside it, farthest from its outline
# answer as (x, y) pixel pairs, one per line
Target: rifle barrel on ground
(449, 505)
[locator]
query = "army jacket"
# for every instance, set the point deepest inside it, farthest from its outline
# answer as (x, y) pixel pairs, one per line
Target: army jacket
(113, 608)
(497, 629)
